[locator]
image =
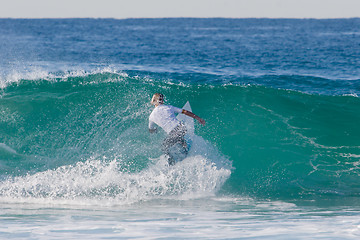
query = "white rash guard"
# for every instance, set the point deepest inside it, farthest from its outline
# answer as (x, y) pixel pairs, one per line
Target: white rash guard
(164, 116)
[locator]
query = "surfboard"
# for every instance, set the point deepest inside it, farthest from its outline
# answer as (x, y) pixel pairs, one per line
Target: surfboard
(189, 123)
(177, 152)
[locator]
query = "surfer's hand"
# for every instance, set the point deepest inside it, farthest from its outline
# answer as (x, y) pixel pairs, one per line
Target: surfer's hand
(201, 121)
(152, 130)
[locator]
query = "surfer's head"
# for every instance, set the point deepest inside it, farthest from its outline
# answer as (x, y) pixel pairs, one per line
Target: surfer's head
(157, 99)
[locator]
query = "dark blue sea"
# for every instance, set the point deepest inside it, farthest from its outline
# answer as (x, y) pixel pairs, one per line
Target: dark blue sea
(278, 158)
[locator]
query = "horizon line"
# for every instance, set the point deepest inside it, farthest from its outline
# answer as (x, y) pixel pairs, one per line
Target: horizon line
(126, 18)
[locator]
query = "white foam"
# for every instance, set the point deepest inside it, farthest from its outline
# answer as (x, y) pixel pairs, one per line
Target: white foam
(209, 218)
(16, 76)
(37, 73)
(351, 95)
(101, 182)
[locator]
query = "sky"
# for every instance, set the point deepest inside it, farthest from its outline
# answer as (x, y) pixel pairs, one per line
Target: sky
(179, 8)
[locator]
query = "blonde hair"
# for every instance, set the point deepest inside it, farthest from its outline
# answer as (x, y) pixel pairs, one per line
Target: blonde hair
(157, 98)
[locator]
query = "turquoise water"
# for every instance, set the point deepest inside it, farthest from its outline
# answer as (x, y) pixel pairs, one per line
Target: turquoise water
(278, 158)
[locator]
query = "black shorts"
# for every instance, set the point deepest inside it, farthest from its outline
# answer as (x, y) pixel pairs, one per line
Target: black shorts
(175, 136)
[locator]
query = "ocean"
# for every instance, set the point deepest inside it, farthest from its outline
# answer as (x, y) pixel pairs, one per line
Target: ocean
(278, 158)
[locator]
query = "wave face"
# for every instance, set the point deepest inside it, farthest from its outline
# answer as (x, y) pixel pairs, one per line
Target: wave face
(84, 136)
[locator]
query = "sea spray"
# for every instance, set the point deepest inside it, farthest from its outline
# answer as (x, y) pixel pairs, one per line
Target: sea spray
(102, 182)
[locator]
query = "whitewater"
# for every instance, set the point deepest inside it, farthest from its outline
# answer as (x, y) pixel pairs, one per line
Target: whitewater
(278, 158)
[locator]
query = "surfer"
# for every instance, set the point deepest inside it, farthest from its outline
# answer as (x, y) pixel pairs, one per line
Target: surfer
(164, 117)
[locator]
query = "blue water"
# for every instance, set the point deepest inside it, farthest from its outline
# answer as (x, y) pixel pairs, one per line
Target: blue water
(279, 157)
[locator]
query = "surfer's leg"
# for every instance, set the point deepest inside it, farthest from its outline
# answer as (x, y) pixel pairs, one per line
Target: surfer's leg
(167, 143)
(185, 146)
(170, 140)
(176, 136)
(181, 139)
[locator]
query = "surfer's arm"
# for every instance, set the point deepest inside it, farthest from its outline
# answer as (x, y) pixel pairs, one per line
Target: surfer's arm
(190, 114)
